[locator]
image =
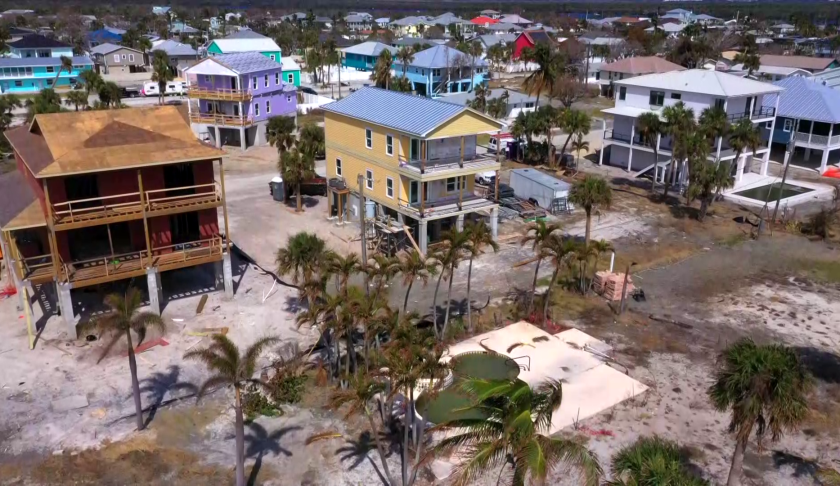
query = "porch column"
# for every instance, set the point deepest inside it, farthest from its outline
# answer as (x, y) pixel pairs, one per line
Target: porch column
(603, 144)
(494, 223)
(808, 150)
(155, 289)
(630, 156)
(739, 175)
(65, 305)
(459, 222)
(224, 204)
(498, 177)
(461, 162)
(766, 162)
(422, 156)
(719, 147)
(218, 137)
(51, 233)
(656, 161)
(243, 142)
(227, 274)
(422, 236)
(422, 198)
(824, 164)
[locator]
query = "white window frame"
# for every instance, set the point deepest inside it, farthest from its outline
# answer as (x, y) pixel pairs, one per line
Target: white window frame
(338, 166)
(291, 78)
(267, 107)
(131, 58)
(788, 125)
(272, 57)
(207, 78)
(457, 183)
(369, 179)
(116, 58)
(123, 57)
(265, 81)
(257, 108)
(389, 187)
(389, 145)
(277, 78)
(256, 82)
(368, 138)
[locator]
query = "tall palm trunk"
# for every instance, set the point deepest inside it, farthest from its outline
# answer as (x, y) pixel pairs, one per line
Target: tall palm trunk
(655, 166)
(379, 448)
(135, 385)
(240, 440)
(668, 174)
(588, 232)
(434, 305)
(448, 304)
(534, 287)
(299, 199)
(704, 206)
(408, 291)
(548, 294)
(57, 74)
(737, 464)
(469, 301)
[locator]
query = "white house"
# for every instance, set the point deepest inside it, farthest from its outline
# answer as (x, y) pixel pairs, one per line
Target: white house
(698, 89)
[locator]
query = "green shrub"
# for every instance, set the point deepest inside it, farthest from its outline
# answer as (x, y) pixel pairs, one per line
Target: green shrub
(286, 386)
(254, 404)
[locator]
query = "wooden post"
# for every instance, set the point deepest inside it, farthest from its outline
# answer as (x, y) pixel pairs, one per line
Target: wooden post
(145, 218)
(224, 204)
(461, 163)
(422, 156)
(51, 230)
(362, 216)
(422, 198)
(27, 311)
(462, 181)
(110, 241)
(498, 176)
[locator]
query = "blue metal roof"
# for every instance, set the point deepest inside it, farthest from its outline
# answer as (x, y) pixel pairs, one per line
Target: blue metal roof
(806, 99)
(246, 62)
(42, 61)
(415, 115)
(441, 57)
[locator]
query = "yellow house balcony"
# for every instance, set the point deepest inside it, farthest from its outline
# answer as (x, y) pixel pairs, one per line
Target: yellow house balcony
(450, 165)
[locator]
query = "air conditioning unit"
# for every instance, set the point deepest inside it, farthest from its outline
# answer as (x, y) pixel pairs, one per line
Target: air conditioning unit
(355, 209)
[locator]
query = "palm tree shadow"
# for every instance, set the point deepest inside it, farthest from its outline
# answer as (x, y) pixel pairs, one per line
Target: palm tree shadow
(801, 467)
(260, 442)
(162, 383)
(359, 451)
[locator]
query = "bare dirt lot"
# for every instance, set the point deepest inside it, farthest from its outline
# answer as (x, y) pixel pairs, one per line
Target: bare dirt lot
(64, 415)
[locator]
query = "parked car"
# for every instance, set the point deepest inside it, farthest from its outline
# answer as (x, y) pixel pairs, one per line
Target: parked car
(130, 92)
(487, 178)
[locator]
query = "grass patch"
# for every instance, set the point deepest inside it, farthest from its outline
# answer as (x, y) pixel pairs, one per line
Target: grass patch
(733, 240)
(315, 118)
(571, 305)
(825, 271)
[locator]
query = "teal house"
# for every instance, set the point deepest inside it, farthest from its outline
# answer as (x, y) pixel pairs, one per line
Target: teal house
(362, 57)
(264, 45)
(291, 71)
(34, 62)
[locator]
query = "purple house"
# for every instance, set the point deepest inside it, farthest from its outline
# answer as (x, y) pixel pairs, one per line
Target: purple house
(232, 96)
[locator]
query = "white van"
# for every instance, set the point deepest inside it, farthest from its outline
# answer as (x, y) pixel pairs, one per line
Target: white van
(150, 89)
(493, 143)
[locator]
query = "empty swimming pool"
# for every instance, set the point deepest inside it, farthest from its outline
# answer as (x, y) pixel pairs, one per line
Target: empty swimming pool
(774, 191)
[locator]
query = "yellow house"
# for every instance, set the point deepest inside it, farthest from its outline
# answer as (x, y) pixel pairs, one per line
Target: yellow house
(414, 159)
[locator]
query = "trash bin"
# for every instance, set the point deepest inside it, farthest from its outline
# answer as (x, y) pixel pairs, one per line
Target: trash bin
(277, 189)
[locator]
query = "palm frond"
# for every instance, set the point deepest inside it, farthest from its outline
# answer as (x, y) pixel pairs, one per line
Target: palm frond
(249, 360)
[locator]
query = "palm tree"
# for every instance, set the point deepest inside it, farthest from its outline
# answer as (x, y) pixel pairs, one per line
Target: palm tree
(401, 84)
(343, 267)
(145, 45)
(414, 266)
(359, 395)
(679, 123)
(120, 323)
(66, 65)
(297, 167)
(281, 134)
(381, 74)
(541, 78)
(750, 60)
(231, 367)
(744, 136)
(650, 127)
(76, 98)
(590, 193)
(479, 102)
(706, 180)
(405, 56)
(713, 122)
(579, 144)
(474, 50)
(505, 438)
(91, 81)
(46, 101)
(109, 94)
(479, 236)
(455, 248)
(537, 234)
(312, 142)
(652, 461)
(764, 387)
(574, 122)
(161, 72)
(557, 250)
(304, 256)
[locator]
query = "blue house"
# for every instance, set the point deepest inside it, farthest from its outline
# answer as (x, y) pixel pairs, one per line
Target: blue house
(363, 56)
(442, 69)
(32, 74)
(39, 46)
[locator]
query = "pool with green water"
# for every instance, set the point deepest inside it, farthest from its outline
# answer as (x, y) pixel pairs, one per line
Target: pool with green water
(775, 192)
(452, 403)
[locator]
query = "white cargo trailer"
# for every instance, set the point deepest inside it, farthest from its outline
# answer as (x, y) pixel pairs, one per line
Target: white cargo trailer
(531, 184)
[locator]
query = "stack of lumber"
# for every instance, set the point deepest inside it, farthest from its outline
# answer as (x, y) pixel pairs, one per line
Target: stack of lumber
(611, 285)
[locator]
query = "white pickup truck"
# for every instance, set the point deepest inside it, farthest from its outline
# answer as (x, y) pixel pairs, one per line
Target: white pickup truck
(486, 178)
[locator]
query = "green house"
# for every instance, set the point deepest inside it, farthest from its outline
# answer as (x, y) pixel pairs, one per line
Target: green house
(291, 71)
(265, 46)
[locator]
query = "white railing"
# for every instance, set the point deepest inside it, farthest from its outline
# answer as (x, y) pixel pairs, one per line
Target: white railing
(819, 140)
(835, 140)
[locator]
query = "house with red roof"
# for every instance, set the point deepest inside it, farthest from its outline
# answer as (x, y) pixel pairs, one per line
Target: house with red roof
(484, 21)
(530, 38)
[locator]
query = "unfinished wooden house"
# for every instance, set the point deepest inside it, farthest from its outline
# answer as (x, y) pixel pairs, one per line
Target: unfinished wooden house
(102, 196)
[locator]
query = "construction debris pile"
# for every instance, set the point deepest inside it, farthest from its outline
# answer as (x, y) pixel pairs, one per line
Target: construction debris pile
(610, 285)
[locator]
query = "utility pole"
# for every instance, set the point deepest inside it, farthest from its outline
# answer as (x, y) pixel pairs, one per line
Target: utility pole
(363, 209)
(624, 288)
(788, 156)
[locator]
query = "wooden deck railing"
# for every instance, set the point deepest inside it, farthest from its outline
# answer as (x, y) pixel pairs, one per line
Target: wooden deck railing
(157, 197)
(219, 94)
(220, 119)
(72, 211)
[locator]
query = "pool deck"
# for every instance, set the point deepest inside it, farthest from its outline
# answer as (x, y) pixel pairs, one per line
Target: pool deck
(819, 192)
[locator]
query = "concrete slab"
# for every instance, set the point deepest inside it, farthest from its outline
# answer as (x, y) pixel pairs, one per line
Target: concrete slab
(69, 403)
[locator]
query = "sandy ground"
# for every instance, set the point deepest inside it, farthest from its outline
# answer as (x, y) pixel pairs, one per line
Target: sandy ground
(719, 287)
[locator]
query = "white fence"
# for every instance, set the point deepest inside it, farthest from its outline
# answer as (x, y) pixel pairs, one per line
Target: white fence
(311, 101)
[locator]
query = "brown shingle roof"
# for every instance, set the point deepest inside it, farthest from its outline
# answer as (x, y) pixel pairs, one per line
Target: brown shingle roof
(93, 141)
(801, 62)
(642, 65)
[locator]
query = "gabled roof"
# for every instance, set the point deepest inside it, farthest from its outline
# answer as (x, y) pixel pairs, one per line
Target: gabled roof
(505, 27)
(358, 18)
(408, 21)
(482, 20)
(369, 48)
(289, 64)
(15, 196)
(801, 62)
(38, 41)
(514, 19)
(175, 48)
(705, 17)
(42, 61)
(241, 62)
(493, 39)
(108, 48)
(228, 46)
(806, 99)
(537, 37)
(702, 81)
(67, 143)
(414, 115)
(641, 65)
(440, 57)
(446, 19)
(245, 34)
